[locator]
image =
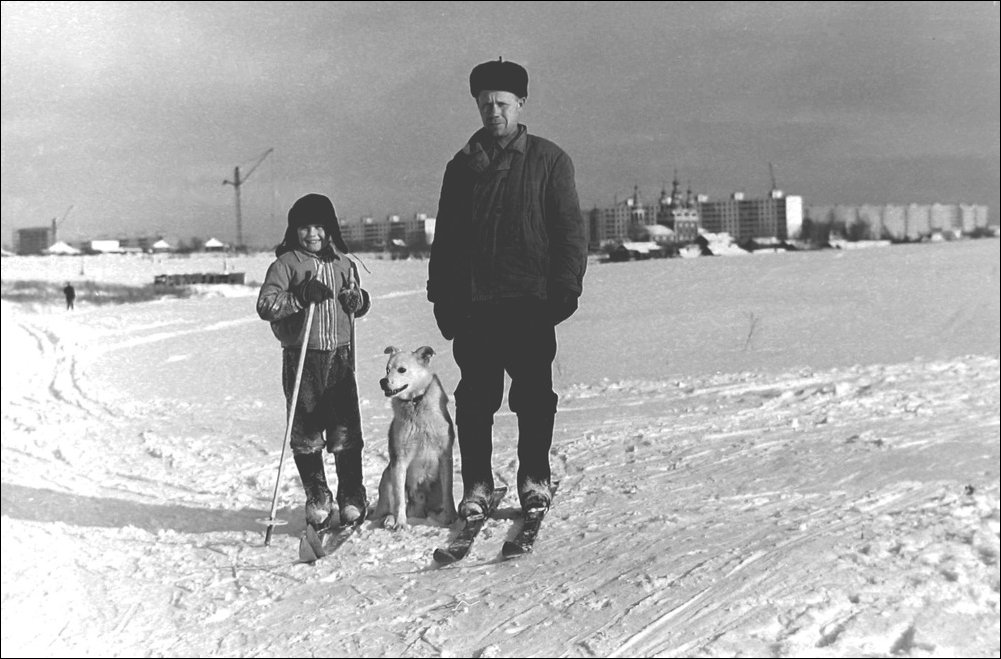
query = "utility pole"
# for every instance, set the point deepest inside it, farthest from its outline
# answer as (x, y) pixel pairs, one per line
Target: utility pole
(236, 183)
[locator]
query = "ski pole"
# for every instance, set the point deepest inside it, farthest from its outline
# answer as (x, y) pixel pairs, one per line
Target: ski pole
(354, 361)
(354, 345)
(271, 522)
(354, 365)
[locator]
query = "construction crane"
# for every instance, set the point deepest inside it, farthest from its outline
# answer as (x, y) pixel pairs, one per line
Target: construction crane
(55, 224)
(775, 193)
(236, 183)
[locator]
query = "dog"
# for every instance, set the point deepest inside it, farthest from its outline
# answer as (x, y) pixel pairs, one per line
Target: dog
(418, 480)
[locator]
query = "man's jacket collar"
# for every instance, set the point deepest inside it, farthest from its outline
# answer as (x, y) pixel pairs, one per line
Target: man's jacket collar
(476, 157)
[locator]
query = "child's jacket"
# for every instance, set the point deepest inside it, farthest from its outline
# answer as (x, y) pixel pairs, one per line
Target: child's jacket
(331, 324)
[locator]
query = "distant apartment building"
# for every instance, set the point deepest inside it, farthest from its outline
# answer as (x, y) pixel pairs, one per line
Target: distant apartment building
(375, 234)
(623, 220)
(394, 231)
(34, 240)
(776, 216)
(351, 232)
(899, 222)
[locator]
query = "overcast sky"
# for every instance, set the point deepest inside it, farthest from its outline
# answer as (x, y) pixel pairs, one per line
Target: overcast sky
(135, 113)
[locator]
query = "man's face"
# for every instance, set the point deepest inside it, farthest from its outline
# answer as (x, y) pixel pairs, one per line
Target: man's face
(499, 112)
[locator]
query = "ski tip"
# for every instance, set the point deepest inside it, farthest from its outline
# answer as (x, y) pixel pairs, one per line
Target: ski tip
(443, 557)
(306, 552)
(511, 550)
(315, 542)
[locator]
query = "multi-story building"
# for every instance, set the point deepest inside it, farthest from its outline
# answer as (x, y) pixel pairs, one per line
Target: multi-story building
(374, 234)
(776, 216)
(34, 240)
(352, 233)
(623, 220)
(898, 222)
(393, 232)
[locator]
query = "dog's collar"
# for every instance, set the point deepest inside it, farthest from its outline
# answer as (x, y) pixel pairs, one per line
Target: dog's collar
(415, 401)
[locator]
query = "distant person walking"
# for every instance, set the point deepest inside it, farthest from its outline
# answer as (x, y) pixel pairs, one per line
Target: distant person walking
(313, 268)
(70, 294)
(507, 266)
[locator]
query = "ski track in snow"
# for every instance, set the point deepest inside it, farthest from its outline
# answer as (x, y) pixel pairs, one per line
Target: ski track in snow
(842, 512)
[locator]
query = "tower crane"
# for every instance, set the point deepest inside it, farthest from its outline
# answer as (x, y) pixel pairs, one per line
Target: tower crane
(56, 224)
(236, 183)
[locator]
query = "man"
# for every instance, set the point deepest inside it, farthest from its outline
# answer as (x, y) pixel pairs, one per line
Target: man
(70, 294)
(506, 267)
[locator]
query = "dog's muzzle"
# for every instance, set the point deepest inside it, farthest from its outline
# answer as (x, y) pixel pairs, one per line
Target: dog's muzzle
(384, 383)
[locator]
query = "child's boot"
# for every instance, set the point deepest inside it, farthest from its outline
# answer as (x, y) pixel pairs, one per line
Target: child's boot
(319, 501)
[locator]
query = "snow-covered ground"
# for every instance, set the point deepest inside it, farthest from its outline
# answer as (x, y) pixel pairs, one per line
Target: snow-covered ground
(787, 455)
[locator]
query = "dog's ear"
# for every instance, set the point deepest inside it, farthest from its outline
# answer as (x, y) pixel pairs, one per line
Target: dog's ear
(425, 353)
(391, 350)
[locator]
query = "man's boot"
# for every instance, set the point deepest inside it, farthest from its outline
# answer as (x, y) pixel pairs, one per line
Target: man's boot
(535, 438)
(352, 500)
(475, 449)
(319, 500)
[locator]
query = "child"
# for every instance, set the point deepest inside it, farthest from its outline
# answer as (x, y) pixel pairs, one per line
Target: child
(312, 268)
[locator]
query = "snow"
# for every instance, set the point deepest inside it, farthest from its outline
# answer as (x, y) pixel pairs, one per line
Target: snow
(786, 456)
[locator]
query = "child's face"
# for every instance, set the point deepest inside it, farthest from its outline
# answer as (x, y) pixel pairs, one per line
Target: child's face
(312, 237)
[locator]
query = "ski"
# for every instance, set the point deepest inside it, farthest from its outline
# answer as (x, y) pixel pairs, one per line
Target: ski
(459, 546)
(310, 546)
(525, 539)
(315, 545)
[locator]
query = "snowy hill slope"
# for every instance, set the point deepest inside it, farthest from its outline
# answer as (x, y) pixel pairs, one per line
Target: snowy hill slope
(783, 456)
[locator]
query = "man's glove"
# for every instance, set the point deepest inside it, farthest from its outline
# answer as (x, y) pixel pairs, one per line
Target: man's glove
(561, 305)
(311, 291)
(354, 301)
(448, 317)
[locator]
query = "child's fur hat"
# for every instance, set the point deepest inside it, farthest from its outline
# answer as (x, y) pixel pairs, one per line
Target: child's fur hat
(312, 209)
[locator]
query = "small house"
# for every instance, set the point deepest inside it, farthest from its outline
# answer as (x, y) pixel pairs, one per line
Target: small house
(214, 245)
(62, 249)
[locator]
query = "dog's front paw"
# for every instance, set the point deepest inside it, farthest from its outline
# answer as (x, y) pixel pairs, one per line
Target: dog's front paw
(393, 524)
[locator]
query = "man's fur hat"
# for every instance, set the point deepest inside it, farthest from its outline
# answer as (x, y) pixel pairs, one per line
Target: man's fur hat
(499, 76)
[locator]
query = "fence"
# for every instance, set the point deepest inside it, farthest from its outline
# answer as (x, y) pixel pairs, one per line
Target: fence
(200, 278)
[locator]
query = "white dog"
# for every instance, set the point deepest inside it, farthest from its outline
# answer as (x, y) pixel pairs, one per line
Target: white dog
(418, 480)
